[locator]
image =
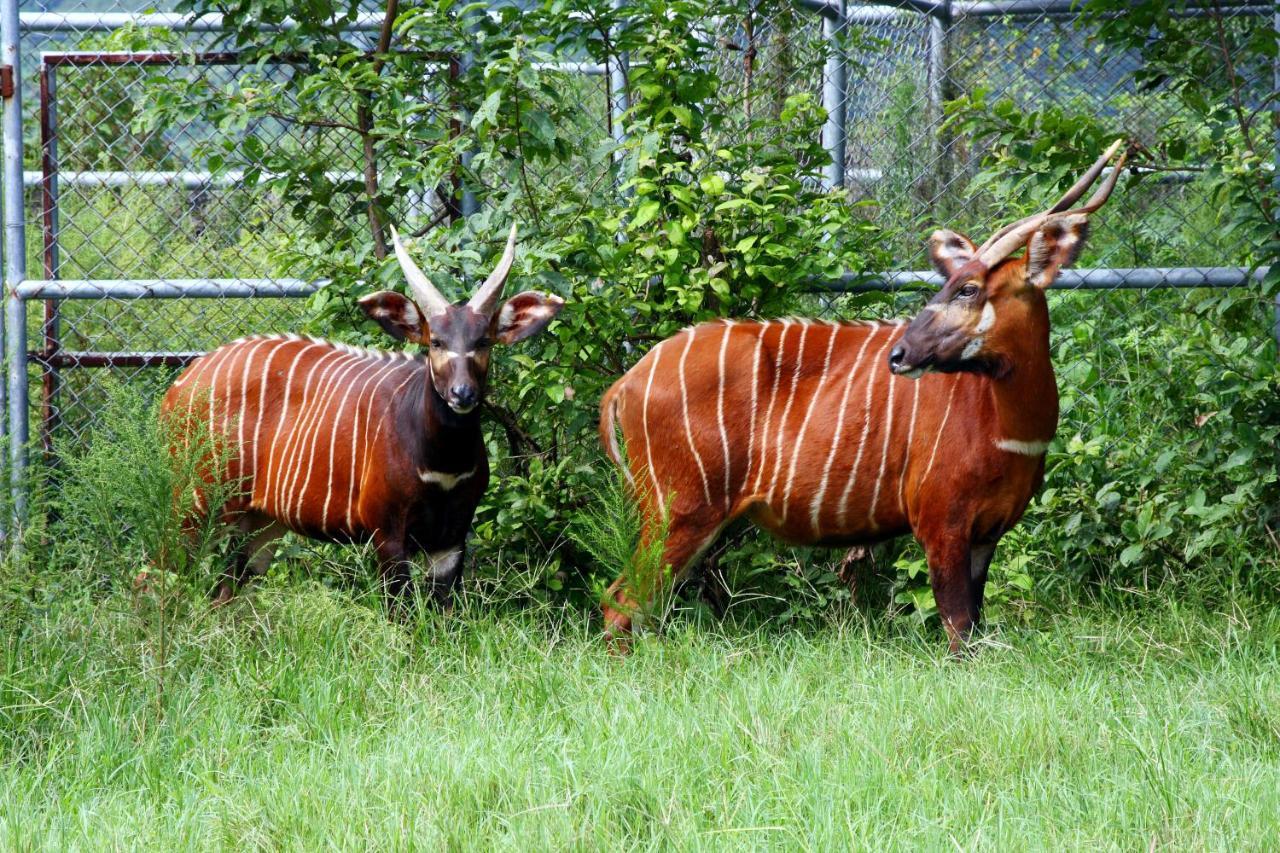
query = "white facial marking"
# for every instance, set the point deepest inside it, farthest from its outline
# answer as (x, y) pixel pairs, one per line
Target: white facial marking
(971, 349)
(1023, 448)
(935, 307)
(988, 319)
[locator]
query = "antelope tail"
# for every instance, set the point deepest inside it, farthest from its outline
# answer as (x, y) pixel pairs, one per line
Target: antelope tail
(609, 428)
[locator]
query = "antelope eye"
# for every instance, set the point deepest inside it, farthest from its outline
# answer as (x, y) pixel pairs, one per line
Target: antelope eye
(484, 343)
(968, 291)
(436, 343)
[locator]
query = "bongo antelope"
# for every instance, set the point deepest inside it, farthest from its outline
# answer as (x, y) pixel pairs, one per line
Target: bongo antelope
(344, 444)
(853, 433)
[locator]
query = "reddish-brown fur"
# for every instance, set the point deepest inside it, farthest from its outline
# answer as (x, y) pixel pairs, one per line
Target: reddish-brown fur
(330, 442)
(800, 426)
(360, 445)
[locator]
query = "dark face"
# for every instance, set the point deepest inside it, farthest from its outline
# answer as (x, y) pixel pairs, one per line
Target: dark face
(459, 344)
(950, 334)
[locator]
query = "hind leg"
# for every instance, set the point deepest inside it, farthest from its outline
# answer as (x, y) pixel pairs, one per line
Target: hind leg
(258, 539)
(634, 592)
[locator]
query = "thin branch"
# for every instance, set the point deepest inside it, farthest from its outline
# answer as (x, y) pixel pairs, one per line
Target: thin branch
(313, 122)
(364, 120)
(1232, 80)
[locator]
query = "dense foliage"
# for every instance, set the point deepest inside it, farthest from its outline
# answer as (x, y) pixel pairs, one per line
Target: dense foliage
(710, 204)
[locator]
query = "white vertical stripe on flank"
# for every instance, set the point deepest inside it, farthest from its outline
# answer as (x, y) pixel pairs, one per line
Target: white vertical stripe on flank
(911, 432)
(955, 382)
(244, 399)
(786, 409)
(724, 435)
(297, 432)
(688, 428)
(884, 451)
(815, 509)
(326, 421)
(755, 387)
(303, 429)
(366, 365)
(213, 395)
(768, 413)
(385, 417)
(842, 508)
(199, 366)
(226, 396)
(263, 381)
(268, 480)
(804, 425)
(644, 419)
(375, 381)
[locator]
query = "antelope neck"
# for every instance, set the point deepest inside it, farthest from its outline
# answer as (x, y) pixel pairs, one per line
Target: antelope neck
(438, 438)
(1025, 394)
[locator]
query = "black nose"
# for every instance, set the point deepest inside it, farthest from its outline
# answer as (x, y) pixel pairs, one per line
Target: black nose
(896, 355)
(464, 395)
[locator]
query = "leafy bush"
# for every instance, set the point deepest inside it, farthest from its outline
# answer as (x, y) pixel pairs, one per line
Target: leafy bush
(711, 205)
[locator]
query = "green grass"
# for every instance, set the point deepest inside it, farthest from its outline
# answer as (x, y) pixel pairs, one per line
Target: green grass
(300, 718)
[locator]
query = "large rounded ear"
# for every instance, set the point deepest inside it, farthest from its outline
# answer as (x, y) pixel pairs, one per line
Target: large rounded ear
(524, 315)
(397, 315)
(948, 251)
(1056, 245)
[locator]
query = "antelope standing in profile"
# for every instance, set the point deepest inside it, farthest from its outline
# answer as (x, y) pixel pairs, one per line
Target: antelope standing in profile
(816, 432)
(347, 444)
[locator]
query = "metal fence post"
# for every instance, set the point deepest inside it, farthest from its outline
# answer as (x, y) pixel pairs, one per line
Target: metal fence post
(51, 331)
(940, 22)
(833, 93)
(1275, 178)
(15, 249)
(468, 204)
(619, 103)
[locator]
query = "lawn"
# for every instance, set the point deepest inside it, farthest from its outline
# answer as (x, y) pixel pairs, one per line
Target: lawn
(299, 718)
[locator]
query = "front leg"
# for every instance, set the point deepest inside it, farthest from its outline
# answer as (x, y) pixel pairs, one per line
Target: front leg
(444, 571)
(979, 561)
(952, 582)
(394, 568)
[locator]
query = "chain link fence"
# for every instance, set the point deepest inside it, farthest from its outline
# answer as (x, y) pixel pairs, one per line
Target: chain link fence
(127, 254)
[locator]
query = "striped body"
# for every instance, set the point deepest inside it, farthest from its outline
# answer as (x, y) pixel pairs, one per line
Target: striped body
(334, 442)
(798, 424)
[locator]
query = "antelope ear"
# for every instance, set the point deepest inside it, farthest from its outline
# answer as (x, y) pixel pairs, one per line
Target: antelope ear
(1056, 245)
(524, 315)
(948, 251)
(396, 314)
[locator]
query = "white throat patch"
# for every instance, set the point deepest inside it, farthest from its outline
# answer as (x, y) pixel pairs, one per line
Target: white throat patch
(443, 480)
(1022, 448)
